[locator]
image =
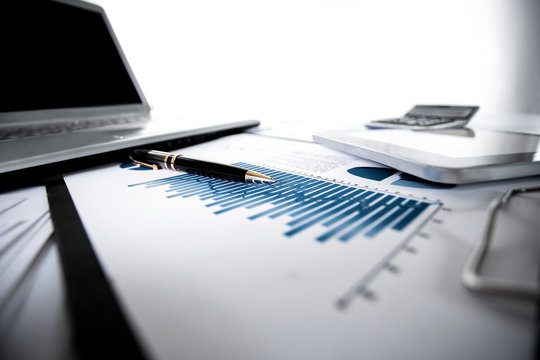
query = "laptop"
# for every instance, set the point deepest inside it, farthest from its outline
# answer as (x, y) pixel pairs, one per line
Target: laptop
(67, 91)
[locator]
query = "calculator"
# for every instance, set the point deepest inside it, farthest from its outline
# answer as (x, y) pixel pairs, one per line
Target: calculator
(424, 117)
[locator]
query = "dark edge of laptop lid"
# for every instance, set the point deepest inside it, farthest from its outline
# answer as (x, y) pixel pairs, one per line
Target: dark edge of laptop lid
(36, 175)
(136, 105)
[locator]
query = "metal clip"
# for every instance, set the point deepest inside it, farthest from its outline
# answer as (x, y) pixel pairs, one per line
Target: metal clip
(471, 276)
(153, 166)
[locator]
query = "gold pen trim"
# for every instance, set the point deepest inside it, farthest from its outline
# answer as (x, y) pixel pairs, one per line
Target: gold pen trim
(165, 162)
(153, 166)
(172, 162)
(252, 176)
(253, 173)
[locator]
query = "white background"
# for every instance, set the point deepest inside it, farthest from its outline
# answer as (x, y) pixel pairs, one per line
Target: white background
(323, 62)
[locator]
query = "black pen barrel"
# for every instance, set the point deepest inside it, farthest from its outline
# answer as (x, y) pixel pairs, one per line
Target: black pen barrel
(192, 166)
(156, 159)
(206, 168)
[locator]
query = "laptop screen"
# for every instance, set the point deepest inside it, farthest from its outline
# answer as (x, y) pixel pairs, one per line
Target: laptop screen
(56, 55)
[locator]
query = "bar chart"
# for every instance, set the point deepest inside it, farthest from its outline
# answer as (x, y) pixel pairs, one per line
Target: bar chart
(339, 211)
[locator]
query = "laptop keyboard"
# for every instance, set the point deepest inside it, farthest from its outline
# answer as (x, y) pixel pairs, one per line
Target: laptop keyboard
(15, 133)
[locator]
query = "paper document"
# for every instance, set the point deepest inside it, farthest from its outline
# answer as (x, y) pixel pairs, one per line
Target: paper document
(340, 258)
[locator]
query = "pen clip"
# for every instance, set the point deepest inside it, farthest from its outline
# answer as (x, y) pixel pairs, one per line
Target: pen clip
(153, 166)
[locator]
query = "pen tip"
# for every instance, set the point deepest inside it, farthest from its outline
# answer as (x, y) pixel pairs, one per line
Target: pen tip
(252, 176)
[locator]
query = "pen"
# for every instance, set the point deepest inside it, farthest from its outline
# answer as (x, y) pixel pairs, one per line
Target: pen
(159, 159)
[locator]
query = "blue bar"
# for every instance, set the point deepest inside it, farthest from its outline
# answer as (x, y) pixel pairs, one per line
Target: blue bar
(181, 180)
(265, 196)
(220, 191)
(350, 222)
(386, 208)
(316, 211)
(188, 190)
(304, 199)
(270, 196)
(322, 215)
(417, 210)
(205, 193)
(349, 207)
(186, 187)
(334, 195)
(290, 199)
(355, 204)
(268, 190)
(223, 198)
(345, 203)
(186, 178)
(258, 191)
(184, 183)
(240, 203)
(386, 222)
(308, 203)
(277, 188)
(305, 187)
(311, 222)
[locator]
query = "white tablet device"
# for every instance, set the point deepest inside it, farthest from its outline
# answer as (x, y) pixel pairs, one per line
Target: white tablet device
(452, 156)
